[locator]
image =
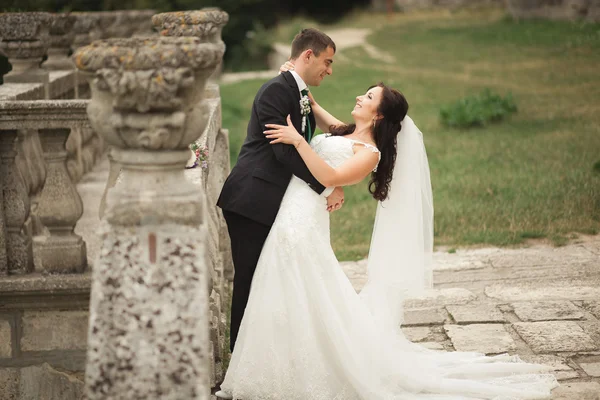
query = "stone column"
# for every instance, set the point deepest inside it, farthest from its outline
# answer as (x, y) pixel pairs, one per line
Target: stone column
(16, 207)
(148, 335)
(25, 40)
(207, 25)
(61, 39)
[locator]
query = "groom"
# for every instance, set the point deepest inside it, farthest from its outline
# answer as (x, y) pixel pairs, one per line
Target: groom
(252, 193)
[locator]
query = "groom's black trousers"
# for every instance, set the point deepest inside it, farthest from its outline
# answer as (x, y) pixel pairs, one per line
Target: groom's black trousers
(247, 240)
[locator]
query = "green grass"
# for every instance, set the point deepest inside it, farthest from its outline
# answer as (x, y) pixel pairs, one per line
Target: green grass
(532, 176)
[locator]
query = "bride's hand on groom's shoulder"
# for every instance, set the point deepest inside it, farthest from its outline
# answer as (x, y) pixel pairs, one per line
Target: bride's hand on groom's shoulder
(283, 133)
(287, 66)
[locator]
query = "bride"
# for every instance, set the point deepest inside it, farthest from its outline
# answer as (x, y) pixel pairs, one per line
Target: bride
(306, 334)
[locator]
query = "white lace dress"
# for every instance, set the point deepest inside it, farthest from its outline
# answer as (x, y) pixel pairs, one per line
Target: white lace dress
(306, 335)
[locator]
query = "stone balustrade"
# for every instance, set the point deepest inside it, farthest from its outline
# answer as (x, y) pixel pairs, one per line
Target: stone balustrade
(48, 146)
(149, 303)
(41, 204)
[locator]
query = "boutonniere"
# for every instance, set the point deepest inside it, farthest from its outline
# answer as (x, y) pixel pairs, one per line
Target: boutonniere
(304, 110)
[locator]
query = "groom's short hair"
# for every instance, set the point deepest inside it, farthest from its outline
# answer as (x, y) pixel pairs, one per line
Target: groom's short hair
(313, 39)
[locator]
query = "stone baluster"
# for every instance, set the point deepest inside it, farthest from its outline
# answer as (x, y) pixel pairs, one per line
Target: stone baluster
(56, 206)
(25, 40)
(149, 304)
(74, 158)
(61, 40)
(32, 166)
(60, 208)
(3, 256)
(16, 206)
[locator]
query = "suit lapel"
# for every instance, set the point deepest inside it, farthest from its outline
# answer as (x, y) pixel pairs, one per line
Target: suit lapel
(296, 115)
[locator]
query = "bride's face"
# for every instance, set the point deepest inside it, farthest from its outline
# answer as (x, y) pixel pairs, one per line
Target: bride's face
(367, 104)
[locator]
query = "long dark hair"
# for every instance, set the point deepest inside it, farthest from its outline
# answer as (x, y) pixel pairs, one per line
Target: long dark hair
(393, 107)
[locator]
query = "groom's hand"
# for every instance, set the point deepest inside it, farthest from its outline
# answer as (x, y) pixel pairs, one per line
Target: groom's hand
(335, 199)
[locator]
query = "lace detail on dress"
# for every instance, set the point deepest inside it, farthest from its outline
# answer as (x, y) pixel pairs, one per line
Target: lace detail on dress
(326, 151)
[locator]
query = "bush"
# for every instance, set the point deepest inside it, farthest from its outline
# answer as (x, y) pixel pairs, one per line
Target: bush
(477, 110)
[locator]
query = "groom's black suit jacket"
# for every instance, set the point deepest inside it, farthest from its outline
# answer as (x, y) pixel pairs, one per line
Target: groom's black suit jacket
(257, 183)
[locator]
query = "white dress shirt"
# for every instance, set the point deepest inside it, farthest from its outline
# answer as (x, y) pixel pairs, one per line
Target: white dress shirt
(301, 86)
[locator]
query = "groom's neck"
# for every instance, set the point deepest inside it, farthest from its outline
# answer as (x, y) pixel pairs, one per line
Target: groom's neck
(301, 71)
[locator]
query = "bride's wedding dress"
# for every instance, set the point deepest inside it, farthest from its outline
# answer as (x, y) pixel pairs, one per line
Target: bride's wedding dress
(307, 335)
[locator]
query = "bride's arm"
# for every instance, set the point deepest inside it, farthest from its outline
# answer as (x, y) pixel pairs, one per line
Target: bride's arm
(352, 171)
(323, 119)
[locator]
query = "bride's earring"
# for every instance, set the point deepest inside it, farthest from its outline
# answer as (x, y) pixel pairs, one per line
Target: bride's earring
(373, 122)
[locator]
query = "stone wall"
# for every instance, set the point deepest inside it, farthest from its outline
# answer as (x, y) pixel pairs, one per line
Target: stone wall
(43, 335)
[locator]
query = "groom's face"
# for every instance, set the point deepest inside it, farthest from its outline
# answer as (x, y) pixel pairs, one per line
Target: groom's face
(319, 67)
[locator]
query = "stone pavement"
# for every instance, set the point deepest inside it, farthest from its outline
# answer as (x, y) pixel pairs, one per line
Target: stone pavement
(540, 302)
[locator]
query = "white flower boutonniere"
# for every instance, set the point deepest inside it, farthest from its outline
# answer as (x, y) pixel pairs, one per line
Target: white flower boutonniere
(304, 110)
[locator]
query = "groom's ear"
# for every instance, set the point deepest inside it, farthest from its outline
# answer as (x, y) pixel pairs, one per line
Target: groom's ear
(307, 54)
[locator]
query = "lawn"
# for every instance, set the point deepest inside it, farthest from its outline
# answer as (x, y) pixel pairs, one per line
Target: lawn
(531, 176)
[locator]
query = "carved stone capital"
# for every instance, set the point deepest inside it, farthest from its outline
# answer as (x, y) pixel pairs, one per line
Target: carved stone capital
(205, 24)
(25, 38)
(146, 91)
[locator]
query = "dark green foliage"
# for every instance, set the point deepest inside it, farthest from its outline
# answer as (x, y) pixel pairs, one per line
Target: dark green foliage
(477, 110)
(248, 43)
(597, 166)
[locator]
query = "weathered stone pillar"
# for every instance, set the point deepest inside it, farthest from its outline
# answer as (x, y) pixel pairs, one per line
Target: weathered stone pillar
(16, 207)
(25, 40)
(61, 39)
(148, 335)
(207, 25)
